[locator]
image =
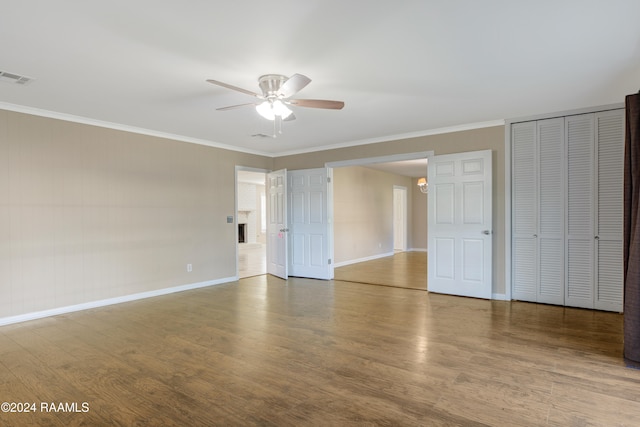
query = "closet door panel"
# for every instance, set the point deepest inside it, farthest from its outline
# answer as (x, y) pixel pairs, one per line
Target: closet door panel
(551, 177)
(524, 212)
(580, 273)
(525, 269)
(580, 202)
(551, 268)
(609, 216)
(524, 180)
(551, 210)
(610, 280)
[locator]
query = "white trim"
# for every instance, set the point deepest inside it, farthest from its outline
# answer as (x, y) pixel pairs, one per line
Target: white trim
(126, 128)
(417, 250)
(110, 301)
(369, 258)
(387, 138)
(380, 159)
(133, 129)
(499, 297)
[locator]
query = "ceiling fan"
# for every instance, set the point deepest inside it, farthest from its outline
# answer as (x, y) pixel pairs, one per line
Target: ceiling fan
(277, 91)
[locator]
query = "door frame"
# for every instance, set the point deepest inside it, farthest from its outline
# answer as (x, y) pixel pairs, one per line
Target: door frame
(235, 214)
(405, 193)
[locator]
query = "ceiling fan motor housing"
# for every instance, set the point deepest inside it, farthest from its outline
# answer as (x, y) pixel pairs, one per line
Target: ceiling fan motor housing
(271, 84)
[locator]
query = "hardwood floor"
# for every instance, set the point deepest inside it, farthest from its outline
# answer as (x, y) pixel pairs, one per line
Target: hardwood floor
(402, 270)
(263, 351)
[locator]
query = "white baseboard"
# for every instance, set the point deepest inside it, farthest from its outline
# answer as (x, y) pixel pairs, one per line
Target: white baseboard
(110, 301)
(355, 261)
(417, 250)
(500, 297)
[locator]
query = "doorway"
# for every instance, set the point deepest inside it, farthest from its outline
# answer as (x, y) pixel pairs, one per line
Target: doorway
(250, 222)
(380, 221)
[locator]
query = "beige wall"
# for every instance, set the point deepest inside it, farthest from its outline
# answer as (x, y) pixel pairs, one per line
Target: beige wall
(491, 138)
(363, 212)
(88, 213)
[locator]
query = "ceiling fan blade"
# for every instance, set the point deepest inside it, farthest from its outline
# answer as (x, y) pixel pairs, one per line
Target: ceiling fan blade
(317, 103)
(236, 88)
(293, 85)
(231, 107)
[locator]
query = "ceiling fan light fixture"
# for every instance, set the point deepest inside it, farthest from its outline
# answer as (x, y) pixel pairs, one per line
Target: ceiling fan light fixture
(280, 109)
(265, 110)
(270, 109)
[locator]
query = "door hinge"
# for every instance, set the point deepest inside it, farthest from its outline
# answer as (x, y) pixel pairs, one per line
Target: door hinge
(328, 179)
(329, 261)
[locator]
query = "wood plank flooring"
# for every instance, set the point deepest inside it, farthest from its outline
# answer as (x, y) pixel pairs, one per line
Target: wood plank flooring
(402, 270)
(268, 352)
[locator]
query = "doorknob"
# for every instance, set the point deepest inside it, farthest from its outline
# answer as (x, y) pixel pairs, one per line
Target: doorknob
(284, 230)
(486, 232)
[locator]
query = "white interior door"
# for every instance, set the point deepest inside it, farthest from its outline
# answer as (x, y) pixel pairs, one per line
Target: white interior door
(400, 218)
(277, 223)
(460, 224)
(309, 224)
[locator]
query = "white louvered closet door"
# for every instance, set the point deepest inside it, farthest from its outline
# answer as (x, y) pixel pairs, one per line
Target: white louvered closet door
(551, 211)
(609, 233)
(580, 211)
(524, 211)
(567, 210)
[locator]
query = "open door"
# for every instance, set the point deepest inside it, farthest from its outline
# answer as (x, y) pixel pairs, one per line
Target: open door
(277, 224)
(460, 224)
(310, 234)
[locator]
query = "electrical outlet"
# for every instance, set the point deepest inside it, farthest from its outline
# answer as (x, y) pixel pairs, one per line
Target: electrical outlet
(189, 268)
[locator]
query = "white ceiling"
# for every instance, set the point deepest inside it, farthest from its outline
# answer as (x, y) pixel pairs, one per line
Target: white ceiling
(403, 68)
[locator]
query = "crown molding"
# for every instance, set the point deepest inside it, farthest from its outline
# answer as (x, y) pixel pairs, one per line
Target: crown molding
(438, 131)
(133, 129)
(116, 126)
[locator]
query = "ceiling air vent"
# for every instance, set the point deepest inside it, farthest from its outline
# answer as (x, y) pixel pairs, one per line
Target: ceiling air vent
(14, 78)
